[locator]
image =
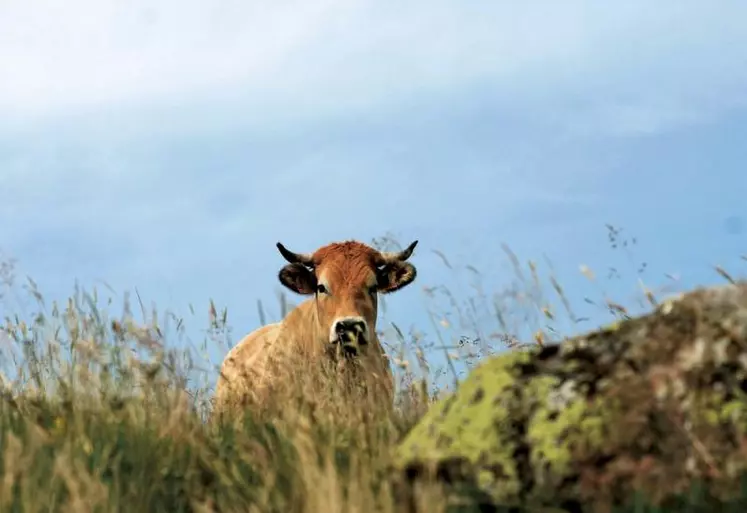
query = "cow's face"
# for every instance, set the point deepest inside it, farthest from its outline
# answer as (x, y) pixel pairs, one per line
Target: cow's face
(345, 278)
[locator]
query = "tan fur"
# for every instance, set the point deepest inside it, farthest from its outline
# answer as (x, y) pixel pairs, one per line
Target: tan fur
(264, 358)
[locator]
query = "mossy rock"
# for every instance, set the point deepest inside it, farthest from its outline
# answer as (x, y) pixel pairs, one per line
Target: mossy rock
(647, 406)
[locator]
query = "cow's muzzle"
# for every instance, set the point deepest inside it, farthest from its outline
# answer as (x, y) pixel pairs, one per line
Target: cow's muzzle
(349, 334)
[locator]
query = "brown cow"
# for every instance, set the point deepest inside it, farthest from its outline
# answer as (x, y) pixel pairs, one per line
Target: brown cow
(344, 280)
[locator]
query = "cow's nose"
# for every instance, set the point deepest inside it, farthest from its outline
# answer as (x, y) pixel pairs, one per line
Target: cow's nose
(350, 330)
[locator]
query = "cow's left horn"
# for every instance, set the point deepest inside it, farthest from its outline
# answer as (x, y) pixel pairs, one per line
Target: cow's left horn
(295, 258)
(398, 256)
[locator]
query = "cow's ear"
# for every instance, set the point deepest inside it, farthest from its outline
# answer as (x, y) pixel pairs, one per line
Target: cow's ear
(394, 276)
(298, 278)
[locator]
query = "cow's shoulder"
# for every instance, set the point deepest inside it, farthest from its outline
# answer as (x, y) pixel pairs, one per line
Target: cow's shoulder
(247, 349)
(241, 362)
(300, 324)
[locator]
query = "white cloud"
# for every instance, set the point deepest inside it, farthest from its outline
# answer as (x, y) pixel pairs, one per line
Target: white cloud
(87, 53)
(630, 65)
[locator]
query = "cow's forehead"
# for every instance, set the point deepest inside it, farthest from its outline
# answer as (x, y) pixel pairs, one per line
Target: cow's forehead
(349, 260)
(345, 252)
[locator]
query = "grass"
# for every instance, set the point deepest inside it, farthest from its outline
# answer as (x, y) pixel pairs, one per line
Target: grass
(101, 414)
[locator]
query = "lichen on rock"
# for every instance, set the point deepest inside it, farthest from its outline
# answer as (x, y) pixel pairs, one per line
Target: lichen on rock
(648, 406)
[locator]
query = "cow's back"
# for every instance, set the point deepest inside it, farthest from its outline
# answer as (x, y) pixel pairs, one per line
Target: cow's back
(243, 370)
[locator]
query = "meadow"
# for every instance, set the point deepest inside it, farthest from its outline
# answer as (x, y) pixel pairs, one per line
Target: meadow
(101, 411)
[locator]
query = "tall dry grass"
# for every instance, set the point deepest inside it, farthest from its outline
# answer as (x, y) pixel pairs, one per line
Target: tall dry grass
(101, 413)
(98, 415)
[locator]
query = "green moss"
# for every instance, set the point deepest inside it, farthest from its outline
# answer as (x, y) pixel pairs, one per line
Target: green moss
(550, 427)
(474, 424)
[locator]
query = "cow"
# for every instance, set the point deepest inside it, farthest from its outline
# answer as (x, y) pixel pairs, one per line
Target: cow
(337, 323)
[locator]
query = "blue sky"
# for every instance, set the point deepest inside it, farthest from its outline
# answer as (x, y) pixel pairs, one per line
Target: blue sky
(167, 146)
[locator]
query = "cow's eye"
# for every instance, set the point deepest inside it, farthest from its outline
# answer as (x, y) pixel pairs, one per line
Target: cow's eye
(321, 289)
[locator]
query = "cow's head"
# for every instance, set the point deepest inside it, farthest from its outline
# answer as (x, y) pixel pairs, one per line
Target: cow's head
(345, 279)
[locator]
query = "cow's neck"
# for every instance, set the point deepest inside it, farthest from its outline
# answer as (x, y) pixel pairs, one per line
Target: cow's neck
(303, 323)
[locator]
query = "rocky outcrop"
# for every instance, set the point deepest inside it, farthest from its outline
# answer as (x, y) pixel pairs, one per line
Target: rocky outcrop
(647, 406)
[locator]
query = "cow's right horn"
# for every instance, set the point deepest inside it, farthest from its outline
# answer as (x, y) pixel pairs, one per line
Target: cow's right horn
(295, 258)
